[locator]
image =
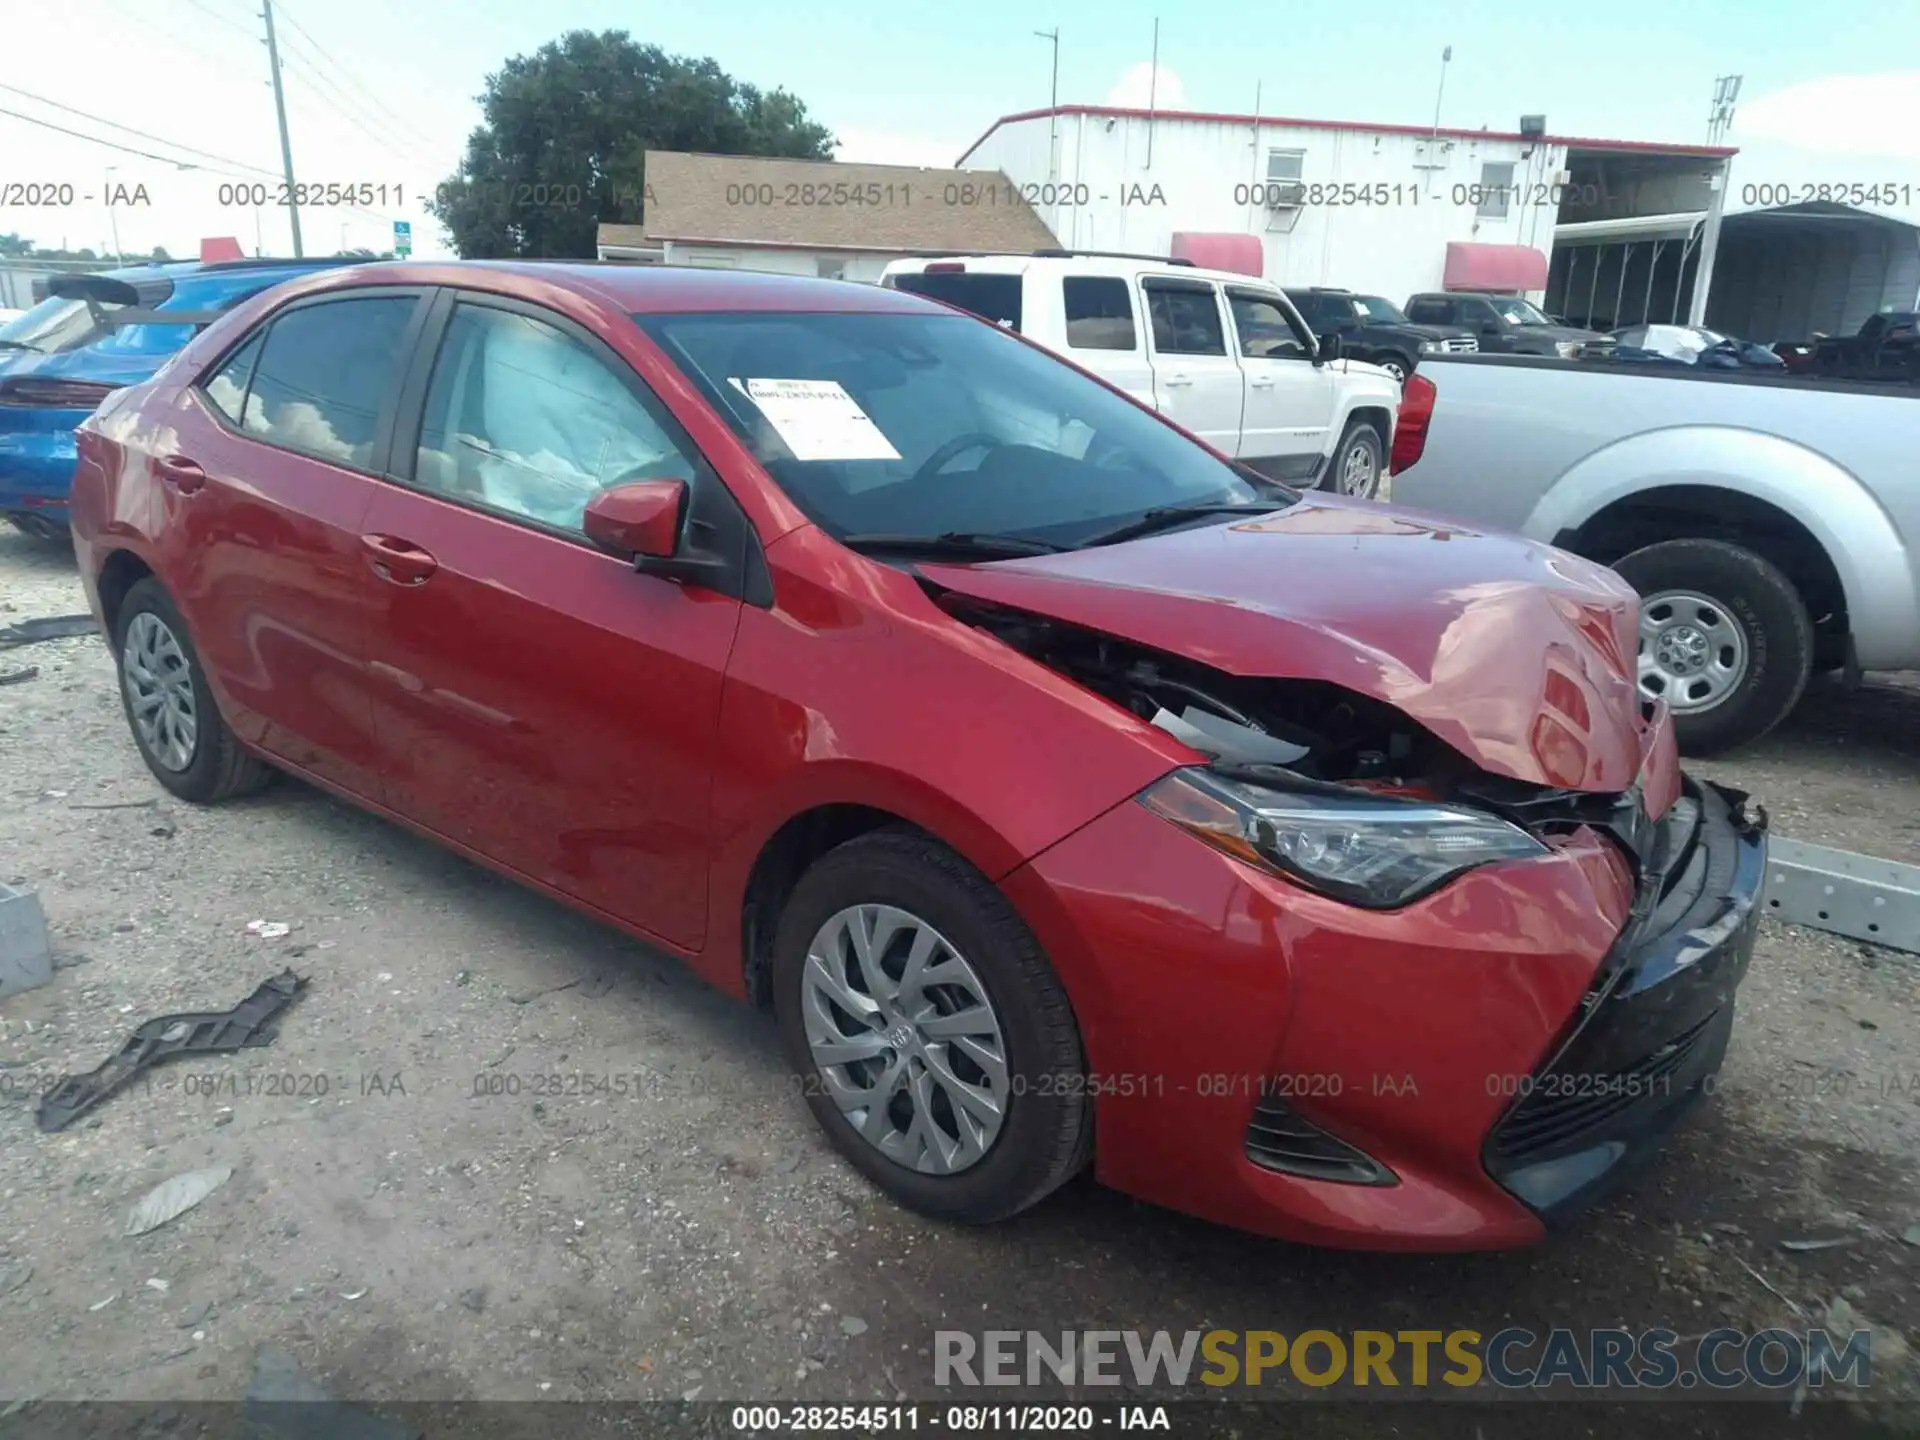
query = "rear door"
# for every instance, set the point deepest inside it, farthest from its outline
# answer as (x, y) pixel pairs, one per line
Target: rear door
(1289, 398)
(536, 699)
(1103, 332)
(267, 474)
(1197, 381)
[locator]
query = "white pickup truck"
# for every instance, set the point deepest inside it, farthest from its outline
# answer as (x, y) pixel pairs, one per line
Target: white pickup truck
(1225, 356)
(1769, 524)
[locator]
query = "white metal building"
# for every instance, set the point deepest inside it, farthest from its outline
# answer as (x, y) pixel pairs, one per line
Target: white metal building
(1390, 209)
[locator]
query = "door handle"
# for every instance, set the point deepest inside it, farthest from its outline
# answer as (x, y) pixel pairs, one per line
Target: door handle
(179, 473)
(1179, 377)
(400, 562)
(1261, 382)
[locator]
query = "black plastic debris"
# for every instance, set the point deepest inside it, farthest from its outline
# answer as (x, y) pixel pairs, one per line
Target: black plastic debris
(19, 677)
(50, 627)
(155, 1041)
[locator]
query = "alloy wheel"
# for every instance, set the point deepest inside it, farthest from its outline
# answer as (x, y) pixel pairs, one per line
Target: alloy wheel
(905, 1039)
(159, 682)
(1359, 471)
(1693, 653)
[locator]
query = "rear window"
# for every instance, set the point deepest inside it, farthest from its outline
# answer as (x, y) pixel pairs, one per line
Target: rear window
(1099, 313)
(57, 324)
(991, 297)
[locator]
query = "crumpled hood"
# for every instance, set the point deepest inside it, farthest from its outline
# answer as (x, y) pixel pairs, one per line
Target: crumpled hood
(1520, 656)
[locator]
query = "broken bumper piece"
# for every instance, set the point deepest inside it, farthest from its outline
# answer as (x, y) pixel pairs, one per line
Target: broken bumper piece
(247, 1024)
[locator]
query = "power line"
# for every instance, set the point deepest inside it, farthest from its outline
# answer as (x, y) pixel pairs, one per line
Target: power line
(126, 129)
(226, 20)
(352, 116)
(392, 117)
(130, 150)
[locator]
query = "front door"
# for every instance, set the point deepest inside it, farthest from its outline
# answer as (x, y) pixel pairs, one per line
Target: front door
(537, 700)
(1196, 380)
(271, 462)
(1289, 398)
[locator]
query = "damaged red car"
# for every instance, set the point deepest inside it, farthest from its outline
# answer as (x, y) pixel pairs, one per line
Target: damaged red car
(1072, 794)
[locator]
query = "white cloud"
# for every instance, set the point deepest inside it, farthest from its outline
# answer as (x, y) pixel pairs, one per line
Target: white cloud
(1837, 115)
(882, 147)
(1137, 86)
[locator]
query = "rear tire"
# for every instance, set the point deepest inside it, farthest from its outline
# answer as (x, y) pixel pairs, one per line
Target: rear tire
(1043, 1134)
(1707, 601)
(176, 723)
(1397, 366)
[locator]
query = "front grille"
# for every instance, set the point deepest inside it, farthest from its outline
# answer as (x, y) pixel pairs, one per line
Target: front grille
(1561, 1107)
(1280, 1138)
(1462, 345)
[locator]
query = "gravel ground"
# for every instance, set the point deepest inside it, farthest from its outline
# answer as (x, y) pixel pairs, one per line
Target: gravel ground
(410, 1228)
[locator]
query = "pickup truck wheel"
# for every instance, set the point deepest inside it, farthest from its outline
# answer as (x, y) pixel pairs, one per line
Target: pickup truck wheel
(1725, 640)
(1357, 463)
(1395, 365)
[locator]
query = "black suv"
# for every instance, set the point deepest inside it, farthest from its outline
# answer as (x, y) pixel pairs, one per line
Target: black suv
(1374, 330)
(1504, 324)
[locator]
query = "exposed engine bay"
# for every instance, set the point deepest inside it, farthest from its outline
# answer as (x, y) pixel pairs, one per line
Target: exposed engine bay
(1294, 732)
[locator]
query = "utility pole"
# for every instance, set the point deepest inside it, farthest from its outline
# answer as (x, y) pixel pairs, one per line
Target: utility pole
(1153, 88)
(113, 220)
(286, 145)
(1053, 104)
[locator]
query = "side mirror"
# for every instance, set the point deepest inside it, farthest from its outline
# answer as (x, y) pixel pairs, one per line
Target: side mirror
(639, 520)
(1327, 347)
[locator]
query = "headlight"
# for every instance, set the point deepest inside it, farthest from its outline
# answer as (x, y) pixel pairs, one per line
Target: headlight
(1377, 853)
(1432, 347)
(1566, 349)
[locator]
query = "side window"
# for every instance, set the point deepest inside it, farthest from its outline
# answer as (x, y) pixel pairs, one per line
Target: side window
(1476, 313)
(1099, 313)
(226, 389)
(522, 418)
(1186, 319)
(1429, 310)
(1266, 331)
(323, 375)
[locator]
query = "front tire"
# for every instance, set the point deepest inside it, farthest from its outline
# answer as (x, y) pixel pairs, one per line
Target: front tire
(1725, 640)
(1398, 366)
(175, 720)
(1358, 462)
(934, 1043)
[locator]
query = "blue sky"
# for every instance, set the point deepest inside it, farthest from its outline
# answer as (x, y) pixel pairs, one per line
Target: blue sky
(381, 90)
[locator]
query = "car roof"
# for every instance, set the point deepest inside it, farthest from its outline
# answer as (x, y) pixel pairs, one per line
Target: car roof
(1123, 266)
(636, 289)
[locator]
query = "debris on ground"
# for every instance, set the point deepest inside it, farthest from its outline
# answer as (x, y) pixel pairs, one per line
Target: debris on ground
(19, 677)
(175, 1197)
(1911, 1234)
(284, 1404)
(1831, 1242)
(246, 1024)
(268, 929)
(51, 627)
(12, 1277)
(26, 949)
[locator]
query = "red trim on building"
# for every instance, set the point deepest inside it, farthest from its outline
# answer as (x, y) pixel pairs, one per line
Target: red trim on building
(1643, 147)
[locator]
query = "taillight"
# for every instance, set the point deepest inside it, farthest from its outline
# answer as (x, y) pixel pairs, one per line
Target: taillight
(1410, 431)
(43, 394)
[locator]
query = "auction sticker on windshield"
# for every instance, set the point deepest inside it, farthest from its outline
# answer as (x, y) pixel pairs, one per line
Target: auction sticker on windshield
(818, 420)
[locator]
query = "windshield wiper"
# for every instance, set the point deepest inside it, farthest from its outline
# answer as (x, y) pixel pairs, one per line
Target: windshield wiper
(19, 345)
(956, 542)
(1163, 516)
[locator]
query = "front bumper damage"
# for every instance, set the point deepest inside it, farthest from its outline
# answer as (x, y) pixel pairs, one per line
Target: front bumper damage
(1652, 1030)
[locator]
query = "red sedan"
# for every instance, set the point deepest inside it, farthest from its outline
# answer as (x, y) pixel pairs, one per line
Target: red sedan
(1071, 794)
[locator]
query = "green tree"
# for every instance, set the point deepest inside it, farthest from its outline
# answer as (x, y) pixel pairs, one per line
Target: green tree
(566, 130)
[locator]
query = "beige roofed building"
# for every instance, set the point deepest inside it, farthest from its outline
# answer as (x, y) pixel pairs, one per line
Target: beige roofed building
(817, 217)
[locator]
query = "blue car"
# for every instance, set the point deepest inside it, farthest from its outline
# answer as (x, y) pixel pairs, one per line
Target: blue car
(92, 335)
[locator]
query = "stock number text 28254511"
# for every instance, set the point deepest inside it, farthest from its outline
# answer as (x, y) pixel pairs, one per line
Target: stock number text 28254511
(319, 195)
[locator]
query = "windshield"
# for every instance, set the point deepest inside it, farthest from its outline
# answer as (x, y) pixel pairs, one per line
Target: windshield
(930, 425)
(1379, 311)
(56, 324)
(1516, 311)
